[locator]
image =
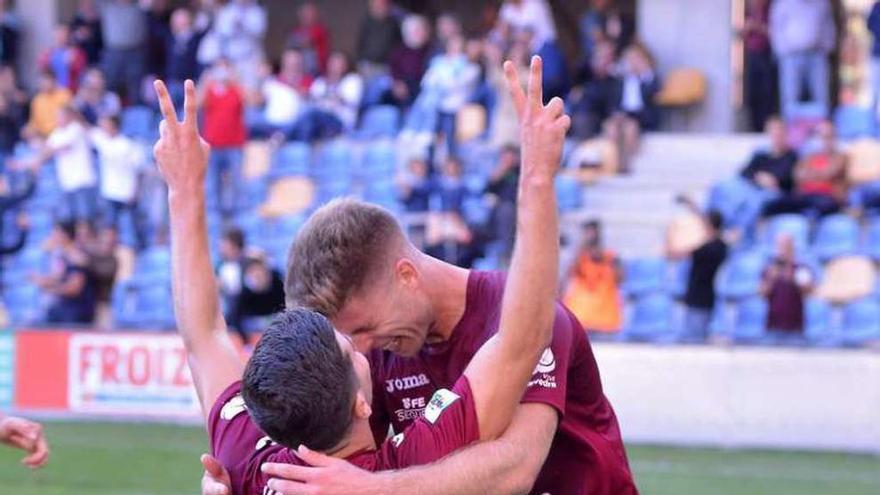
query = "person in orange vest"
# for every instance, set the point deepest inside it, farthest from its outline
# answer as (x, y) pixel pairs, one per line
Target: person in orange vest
(593, 292)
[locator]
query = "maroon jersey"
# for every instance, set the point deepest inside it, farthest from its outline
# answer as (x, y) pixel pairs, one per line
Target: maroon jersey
(449, 423)
(587, 454)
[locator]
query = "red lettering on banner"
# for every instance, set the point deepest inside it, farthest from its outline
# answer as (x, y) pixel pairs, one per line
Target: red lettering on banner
(180, 376)
(139, 365)
(84, 361)
(110, 364)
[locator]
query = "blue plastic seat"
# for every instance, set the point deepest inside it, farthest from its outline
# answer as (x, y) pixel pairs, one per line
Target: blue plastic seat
(335, 161)
(728, 197)
(380, 121)
(740, 276)
(651, 318)
(872, 239)
(817, 318)
(644, 275)
(292, 159)
(379, 161)
(794, 225)
(852, 122)
(681, 271)
(837, 235)
(140, 122)
(751, 320)
(153, 266)
(861, 322)
(569, 193)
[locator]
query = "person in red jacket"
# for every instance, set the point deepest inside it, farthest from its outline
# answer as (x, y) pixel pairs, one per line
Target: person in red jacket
(223, 104)
(64, 59)
(312, 37)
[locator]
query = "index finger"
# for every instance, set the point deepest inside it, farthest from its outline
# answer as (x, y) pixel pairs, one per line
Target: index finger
(289, 471)
(536, 91)
(516, 91)
(190, 118)
(165, 104)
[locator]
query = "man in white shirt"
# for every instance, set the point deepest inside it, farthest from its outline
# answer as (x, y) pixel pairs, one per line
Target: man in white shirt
(120, 161)
(279, 105)
(241, 26)
(530, 15)
(68, 144)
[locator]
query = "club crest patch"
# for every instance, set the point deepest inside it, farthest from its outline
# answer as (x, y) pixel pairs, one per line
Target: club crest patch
(233, 408)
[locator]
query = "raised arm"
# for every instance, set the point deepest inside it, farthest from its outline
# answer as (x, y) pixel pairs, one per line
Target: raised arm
(182, 157)
(529, 305)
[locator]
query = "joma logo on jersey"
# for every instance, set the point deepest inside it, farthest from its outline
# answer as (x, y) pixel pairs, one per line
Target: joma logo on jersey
(406, 383)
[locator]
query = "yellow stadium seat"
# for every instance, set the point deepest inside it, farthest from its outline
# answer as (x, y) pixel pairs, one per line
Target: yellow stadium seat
(470, 122)
(847, 279)
(288, 196)
(682, 87)
(864, 161)
(257, 159)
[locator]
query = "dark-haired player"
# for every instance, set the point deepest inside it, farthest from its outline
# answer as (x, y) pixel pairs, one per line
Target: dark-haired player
(306, 385)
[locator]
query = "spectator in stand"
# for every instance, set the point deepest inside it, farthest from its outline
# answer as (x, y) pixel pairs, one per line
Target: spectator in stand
(121, 161)
(223, 104)
(803, 35)
(820, 180)
(785, 283)
(46, 105)
(409, 60)
(10, 27)
(593, 292)
(11, 200)
(874, 29)
(277, 107)
(760, 70)
(293, 71)
(450, 187)
(241, 26)
(69, 282)
(205, 13)
(103, 265)
(594, 102)
(124, 32)
(451, 78)
(335, 101)
(533, 16)
(69, 145)
(230, 274)
(705, 260)
(85, 31)
(635, 108)
(158, 30)
(379, 34)
(13, 107)
(502, 185)
(181, 49)
(262, 296)
(64, 59)
(93, 100)
(447, 27)
(20, 433)
(503, 122)
(415, 187)
(312, 37)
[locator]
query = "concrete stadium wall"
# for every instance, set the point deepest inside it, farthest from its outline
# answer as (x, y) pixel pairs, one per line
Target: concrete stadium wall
(745, 397)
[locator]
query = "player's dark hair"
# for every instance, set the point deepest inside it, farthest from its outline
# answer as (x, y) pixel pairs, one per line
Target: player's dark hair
(299, 386)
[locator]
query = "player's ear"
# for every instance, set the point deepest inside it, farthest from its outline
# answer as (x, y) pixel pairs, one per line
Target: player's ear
(407, 273)
(362, 409)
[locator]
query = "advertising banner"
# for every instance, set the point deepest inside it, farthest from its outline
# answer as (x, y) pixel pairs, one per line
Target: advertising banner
(7, 369)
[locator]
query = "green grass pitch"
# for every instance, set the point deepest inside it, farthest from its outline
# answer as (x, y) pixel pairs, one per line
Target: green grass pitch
(117, 459)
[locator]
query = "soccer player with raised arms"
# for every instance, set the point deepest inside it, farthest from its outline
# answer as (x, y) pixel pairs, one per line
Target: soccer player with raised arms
(306, 386)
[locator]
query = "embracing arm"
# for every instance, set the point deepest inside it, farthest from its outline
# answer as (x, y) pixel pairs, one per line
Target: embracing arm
(182, 157)
(528, 305)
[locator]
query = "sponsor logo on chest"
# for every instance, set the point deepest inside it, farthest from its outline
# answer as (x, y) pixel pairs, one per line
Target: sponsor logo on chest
(406, 383)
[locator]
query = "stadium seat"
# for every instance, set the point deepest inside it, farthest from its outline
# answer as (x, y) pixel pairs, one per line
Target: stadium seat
(153, 266)
(836, 235)
(380, 121)
(681, 270)
(751, 320)
(379, 161)
(569, 193)
(818, 329)
(140, 123)
(740, 276)
(728, 197)
(256, 159)
(864, 161)
(470, 122)
(335, 161)
(853, 122)
(288, 196)
(871, 245)
(847, 279)
(682, 87)
(861, 322)
(645, 275)
(794, 225)
(651, 318)
(292, 159)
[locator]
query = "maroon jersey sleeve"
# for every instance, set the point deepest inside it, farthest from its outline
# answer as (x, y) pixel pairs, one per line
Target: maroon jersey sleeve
(549, 381)
(449, 423)
(239, 444)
